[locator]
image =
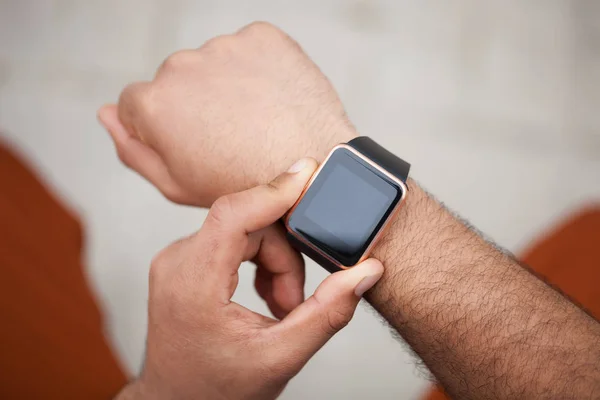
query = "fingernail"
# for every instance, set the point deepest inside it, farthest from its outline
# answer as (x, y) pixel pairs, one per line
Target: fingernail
(366, 283)
(297, 166)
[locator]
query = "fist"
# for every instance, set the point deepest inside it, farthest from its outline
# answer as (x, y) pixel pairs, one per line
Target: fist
(226, 116)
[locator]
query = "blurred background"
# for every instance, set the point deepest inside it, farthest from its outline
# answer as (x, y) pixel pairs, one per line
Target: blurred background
(494, 103)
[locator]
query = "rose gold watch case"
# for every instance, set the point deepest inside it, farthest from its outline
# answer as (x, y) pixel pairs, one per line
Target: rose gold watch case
(386, 223)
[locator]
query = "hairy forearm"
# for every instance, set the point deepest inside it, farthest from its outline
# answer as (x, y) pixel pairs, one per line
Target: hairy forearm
(484, 326)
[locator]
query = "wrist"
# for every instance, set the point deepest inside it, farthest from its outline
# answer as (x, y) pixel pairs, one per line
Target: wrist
(392, 246)
(318, 148)
(425, 247)
(403, 249)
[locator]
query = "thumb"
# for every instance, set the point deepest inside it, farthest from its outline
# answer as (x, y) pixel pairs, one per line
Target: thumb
(308, 327)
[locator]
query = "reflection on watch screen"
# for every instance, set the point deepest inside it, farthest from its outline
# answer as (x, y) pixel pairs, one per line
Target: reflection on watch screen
(347, 207)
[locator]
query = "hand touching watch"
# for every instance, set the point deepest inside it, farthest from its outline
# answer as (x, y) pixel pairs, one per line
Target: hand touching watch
(201, 344)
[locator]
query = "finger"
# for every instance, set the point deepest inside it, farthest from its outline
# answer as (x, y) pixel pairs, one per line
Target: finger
(233, 217)
(263, 283)
(280, 271)
(256, 208)
(138, 156)
(182, 59)
(306, 329)
(135, 108)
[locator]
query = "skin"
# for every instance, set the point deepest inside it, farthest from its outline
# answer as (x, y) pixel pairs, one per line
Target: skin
(241, 108)
(200, 343)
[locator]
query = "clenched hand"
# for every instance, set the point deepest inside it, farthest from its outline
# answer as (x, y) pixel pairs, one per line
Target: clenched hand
(227, 116)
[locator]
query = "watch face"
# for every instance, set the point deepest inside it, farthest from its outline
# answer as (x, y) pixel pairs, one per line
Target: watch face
(346, 205)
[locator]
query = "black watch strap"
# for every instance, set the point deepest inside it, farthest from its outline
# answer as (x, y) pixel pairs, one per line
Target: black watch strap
(391, 163)
(312, 253)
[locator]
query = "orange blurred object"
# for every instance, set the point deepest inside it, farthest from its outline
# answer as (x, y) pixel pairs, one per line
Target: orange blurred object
(51, 341)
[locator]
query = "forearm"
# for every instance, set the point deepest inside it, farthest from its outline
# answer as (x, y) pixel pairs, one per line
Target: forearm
(484, 326)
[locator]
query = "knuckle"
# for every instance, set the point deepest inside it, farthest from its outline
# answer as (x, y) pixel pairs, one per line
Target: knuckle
(221, 212)
(179, 59)
(220, 44)
(158, 265)
(174, 193)
(123, 155)
(282, 190)
(136, 101)
(274, 186)
(261, 28)
(335, 320)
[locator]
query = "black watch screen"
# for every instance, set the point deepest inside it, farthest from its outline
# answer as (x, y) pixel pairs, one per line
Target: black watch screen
(345, 206)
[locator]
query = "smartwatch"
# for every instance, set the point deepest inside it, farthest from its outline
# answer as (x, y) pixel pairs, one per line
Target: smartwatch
(347, 204)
